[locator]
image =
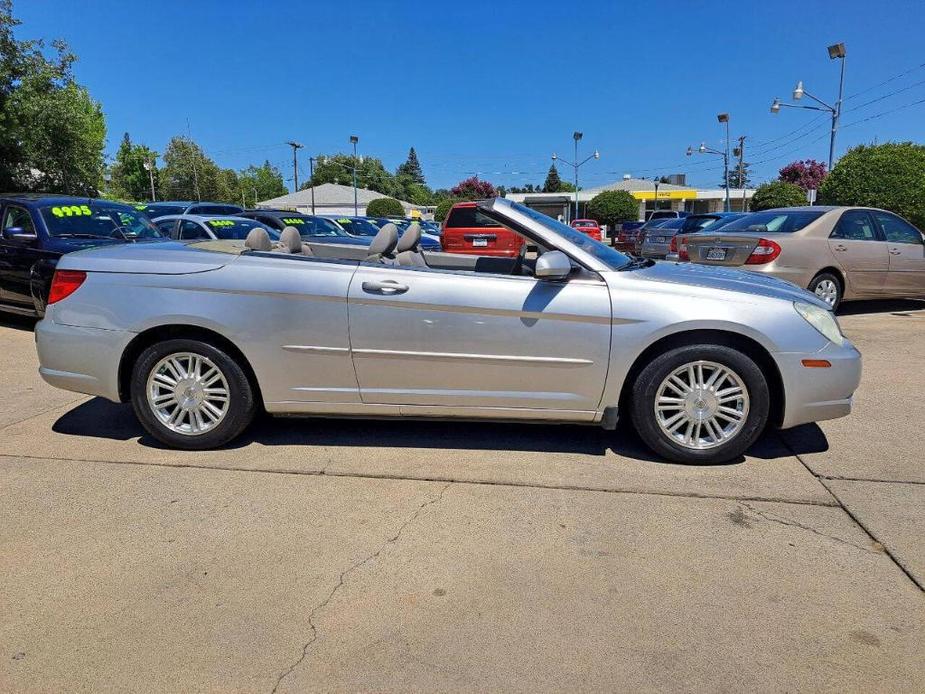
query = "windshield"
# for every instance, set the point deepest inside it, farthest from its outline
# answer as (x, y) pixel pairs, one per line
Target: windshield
(99, 221)
(358, 226)
(157, 210)
(611, 257)
(784, 221)
(697, 222)
(229, 229)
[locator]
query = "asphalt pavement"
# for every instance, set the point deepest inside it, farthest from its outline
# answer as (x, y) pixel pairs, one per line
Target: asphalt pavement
(320, 555)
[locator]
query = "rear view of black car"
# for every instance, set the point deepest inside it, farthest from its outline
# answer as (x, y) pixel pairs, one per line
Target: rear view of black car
(36, 230)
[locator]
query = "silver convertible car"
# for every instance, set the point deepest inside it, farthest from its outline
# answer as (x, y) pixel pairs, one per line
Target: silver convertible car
(201, 336)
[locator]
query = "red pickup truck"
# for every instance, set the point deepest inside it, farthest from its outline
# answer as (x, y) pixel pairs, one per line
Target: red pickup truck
(466, 230)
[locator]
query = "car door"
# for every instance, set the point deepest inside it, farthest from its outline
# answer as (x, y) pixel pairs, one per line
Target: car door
(168, 227)
(192, 231)
(857, 245)
(906, 247)
(466, 343)
(17, 256)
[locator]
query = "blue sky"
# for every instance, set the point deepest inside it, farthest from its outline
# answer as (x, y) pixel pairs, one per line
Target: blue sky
(493, 87)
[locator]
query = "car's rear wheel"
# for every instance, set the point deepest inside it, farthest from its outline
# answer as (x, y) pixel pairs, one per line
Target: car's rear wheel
(700, 404)
(827, 287)
(190, 394)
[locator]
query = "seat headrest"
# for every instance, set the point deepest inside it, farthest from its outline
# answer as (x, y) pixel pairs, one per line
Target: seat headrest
(290, 240)
(258, 240)
(385, 241)
(410, 239)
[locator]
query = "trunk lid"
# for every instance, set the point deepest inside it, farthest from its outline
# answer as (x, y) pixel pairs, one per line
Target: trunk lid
(151, 258)
(730, 250)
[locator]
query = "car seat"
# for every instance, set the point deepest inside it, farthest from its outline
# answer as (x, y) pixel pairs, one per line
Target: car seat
(258, 240)
(408, 250)
(290, 241)
(382, 249)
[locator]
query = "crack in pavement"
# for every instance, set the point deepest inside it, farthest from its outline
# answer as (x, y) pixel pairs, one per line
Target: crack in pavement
(768, 516)
(340, 582)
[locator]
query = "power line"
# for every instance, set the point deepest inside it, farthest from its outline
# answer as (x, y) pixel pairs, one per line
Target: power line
(884, 113)
(886, 81)
(885, 96)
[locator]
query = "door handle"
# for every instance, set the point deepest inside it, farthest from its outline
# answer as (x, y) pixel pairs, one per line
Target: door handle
(385, 287)
(895, 251)
(840, 248)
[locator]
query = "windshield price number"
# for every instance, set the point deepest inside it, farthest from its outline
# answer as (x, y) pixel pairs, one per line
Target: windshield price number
(293, 220)
(72, 211)
(221, 223)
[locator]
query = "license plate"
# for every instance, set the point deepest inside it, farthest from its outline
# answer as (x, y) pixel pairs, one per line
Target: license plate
(662, 239)
(716, 254)
(479, 243)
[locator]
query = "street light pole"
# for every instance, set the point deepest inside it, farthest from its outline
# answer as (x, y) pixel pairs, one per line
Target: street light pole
(655, 199)
(724, 118)
(703, 149)
(576, 165)
(149, 165)
(311, 180)
(353, 140)
(835, 51)
(740, 152)
(295, 164)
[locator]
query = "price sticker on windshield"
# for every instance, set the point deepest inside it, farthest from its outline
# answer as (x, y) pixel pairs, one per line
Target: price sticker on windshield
(293, 221)
(221, 223)
(71, 211)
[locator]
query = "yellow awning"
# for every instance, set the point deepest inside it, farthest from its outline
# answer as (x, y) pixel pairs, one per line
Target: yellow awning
(665, 194)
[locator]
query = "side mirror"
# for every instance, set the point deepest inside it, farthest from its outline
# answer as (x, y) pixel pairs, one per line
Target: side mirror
(553, 265)
(19, 235)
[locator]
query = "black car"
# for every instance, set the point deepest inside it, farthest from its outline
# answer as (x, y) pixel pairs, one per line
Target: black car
(311, 228)
(37, 229)
(165, 207)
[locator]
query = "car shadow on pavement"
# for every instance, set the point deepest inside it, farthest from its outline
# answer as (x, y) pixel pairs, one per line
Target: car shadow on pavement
(99, 418)
(895, 306)
(16, 322)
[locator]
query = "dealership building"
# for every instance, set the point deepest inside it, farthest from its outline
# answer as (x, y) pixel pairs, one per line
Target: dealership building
(670, 197)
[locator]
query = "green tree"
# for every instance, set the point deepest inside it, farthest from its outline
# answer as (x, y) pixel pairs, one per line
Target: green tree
(261, 183)
(188, 174)
(371, 174)
(890, 176)
(52, 132)
(777, 194)
(734, 178)
(130, 179)
(553, 183)
(443, 208)
(385, 207)
(412, 168)
(613, 207)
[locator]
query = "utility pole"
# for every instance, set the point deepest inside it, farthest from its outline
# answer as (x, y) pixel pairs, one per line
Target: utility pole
(740, 152)
(295, 164)
(311, 180)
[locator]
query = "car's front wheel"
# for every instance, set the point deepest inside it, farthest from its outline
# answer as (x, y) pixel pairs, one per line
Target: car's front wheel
(190, 394)
(700, 404)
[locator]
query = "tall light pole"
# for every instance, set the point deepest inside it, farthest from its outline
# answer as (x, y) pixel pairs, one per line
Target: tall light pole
(295, 164)
(836, 51)
(703, 149)
(311, 180)
(576, 164)
(724, 118)
(655, 199)
(353, 140)
(740, 153)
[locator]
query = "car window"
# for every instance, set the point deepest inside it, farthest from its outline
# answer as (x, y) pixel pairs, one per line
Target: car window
(236, 229)
(18, 218)
(190, 231)
(325, 227)
(358, 226)
(166, 226)
(214, 209)
(468, 218)
(855, 225)
(784, 221)
(896, 229)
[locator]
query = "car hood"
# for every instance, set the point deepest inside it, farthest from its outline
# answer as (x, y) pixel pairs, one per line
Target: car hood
(154, 257)
(726, 279)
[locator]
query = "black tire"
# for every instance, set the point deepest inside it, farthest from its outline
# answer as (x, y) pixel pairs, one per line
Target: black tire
(835, 280)
(646, 387)
(241, 405)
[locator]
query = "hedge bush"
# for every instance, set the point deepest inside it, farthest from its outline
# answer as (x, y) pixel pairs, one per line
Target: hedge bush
(777, 194)
(613, 207)
(385, 207)
(443, 209)
(890, 176)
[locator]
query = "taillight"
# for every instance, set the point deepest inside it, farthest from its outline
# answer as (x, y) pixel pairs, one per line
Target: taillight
(765, 252)
(64, 283)
(679, 246)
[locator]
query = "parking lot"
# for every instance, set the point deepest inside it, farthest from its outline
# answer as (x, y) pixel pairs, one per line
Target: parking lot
(401, 555)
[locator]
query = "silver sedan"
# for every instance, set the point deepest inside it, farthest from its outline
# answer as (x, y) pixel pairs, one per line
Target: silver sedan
(199, 338)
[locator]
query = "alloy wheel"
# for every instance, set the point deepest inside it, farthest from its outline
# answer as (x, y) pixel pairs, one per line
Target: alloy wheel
(701, 405)
(188, 393)
(827, 290)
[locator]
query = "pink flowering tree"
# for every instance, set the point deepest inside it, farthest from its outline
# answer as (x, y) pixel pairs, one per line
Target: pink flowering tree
(473, 189)
(808, 174)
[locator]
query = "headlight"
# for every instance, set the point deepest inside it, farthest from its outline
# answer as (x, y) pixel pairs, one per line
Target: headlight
(822, 320)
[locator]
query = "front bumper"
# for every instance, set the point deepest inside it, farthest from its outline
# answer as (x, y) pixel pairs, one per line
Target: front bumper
(817, 394)
(83, 360)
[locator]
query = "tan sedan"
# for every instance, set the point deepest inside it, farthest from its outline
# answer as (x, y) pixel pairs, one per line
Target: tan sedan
(836, 252)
